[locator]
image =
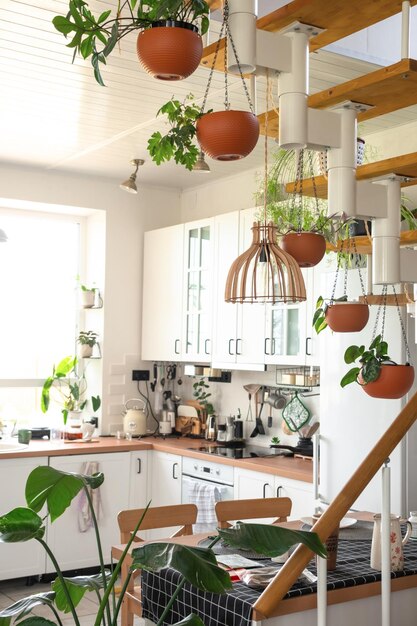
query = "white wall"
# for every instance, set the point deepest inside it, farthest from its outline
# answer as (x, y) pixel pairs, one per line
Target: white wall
(127, 217)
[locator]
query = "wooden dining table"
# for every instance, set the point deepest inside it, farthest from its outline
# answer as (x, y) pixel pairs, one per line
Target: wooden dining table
(307, 602)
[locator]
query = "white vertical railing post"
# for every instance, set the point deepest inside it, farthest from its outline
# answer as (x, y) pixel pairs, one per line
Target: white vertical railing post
(321, 591)
(405, 30)
(316, 487)
(386, 546)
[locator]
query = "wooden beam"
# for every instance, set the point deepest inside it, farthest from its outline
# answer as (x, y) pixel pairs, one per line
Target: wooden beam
(363, 245)
(269, 600)
(215, 4)
(339, 18)
(404, 165)
(390, 300)
(388, 89)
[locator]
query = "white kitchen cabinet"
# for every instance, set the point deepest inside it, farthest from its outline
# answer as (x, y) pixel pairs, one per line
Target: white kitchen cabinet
(250, 484)
(18, 559)
(138, 487)
(164, 485)
(197, 293)
(238, 330)
(162, 322)
(75, 549)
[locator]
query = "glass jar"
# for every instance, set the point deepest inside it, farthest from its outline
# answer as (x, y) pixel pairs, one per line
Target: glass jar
(72, 430)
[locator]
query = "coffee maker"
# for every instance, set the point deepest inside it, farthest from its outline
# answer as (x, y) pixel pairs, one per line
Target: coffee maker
(234, 431)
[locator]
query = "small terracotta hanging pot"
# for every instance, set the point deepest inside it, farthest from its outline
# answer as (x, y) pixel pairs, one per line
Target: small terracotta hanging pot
(347, 317)
(227, 135)
(393, 382)
(170, 50)
(307, 248)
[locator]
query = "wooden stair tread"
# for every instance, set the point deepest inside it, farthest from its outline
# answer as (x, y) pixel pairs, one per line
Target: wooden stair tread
(339, 18)
(403, 165)
(386, 90)
(364, 245)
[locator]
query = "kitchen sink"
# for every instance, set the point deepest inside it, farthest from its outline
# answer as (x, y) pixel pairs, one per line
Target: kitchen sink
(11, 446)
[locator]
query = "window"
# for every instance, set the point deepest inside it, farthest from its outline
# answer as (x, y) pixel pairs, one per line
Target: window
(38, 304)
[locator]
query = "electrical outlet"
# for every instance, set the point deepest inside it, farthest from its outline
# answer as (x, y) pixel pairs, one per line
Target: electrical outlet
(140, 375)
(225, 377)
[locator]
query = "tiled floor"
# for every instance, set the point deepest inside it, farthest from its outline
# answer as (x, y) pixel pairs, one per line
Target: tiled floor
(13, 590)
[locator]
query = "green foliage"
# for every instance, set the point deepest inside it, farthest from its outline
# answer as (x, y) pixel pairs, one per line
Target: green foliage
(96, 36)
(319, 317)
(201, 395)
(275, 441)
(87, 338)
(56, 490)
(370, 362)
(70, 387)
(178, 142)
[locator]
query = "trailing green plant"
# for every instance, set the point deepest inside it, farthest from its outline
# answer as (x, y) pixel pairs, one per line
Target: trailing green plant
(319, 317)
(55, 490)
(178, 143)
(87, 338)
(70, 386)
(201, 395)
(97, 36)
(370, 361)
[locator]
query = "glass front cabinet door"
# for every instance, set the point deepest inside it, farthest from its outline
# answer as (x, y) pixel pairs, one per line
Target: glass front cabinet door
(198, 291)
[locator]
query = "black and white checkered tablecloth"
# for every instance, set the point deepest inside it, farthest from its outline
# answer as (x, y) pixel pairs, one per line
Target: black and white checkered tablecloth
(235, 607)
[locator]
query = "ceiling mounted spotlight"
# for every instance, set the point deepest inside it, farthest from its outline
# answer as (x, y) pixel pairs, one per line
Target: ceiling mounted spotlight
(201, 165)
(130, 184)
(3, 236)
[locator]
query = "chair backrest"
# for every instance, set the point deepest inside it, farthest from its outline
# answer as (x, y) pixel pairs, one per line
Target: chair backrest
(183, 515)
(259, 508)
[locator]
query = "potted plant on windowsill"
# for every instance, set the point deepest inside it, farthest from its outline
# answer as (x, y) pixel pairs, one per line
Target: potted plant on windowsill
(87, 340)
(169, 45)
(377, 373)
(88, 296)
(56, 490)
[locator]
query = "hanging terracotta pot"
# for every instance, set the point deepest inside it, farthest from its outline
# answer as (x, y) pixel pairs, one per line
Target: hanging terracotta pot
(393, 382)
(227, 135)
(170, 50)
(347, 317)
(307, 248)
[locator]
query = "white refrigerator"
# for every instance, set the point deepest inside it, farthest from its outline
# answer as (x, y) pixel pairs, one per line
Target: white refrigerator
(351, 422)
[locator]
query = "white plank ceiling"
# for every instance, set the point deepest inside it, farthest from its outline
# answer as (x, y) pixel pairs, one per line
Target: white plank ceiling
(53, 115)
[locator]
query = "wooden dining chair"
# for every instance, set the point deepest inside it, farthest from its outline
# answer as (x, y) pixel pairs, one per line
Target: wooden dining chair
(256, 508)
(182, 515)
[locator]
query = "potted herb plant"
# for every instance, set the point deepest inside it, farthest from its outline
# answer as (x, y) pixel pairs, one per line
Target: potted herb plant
(56, 490)
(87, 340)
(377, 373)
(71, 389)
(88, 296)
(169, 45)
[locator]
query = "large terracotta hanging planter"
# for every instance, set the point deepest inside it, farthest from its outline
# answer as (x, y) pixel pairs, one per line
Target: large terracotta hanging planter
(170, 50)
(307, 248)
(347, 317)
(393, 382)
(227, 135)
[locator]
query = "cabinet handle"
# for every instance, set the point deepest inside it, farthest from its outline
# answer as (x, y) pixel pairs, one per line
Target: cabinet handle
(273, 346)
(206, 351)
(279, 491)
(264, 489)
(266, 345)
(139, 466)
(173, 471)
(238, 352)
(230, 343)
(176, 346)
(308, 339)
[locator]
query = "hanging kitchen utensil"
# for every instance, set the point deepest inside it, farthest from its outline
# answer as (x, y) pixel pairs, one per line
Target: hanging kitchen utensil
(251, 389)
(269, 422)
(295, 414)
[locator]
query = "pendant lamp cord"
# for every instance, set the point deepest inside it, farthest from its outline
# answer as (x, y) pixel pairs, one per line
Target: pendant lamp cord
(266, 147)
(225, 32)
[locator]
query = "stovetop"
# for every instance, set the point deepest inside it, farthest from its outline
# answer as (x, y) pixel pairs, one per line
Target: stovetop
(243, 452)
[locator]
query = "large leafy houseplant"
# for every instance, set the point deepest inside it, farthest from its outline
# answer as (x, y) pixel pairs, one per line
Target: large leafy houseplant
(47, 486)
(96, 37)
(71, 388)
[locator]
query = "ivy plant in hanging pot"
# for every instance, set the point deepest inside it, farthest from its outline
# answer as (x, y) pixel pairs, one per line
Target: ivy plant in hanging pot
(169, 45)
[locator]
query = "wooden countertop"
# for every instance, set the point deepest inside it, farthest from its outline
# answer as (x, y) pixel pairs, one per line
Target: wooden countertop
(296, 469)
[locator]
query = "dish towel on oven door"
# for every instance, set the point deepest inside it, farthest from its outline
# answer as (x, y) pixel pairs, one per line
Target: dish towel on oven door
(85, 520)
(205, 498)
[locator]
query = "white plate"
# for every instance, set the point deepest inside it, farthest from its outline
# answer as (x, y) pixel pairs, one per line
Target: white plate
(345, 522)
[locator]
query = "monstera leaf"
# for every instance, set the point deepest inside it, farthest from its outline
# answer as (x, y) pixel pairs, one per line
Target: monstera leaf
(22, 607)
(77, 587)
(21, 524)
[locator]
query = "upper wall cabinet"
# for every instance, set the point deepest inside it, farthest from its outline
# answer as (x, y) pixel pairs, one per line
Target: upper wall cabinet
(162, 294)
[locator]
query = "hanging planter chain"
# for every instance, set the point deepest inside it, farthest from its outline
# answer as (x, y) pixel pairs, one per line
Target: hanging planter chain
(297, 196)
(339, 255)
(383, 306)
(407, 349)
(225, 32)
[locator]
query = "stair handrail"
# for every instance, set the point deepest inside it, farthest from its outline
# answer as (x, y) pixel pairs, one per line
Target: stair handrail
(270, 598)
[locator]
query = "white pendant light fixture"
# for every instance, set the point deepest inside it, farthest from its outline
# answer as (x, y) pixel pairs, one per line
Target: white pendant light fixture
(130, 184)
(3, 236)
(201, 165)
(265, 273)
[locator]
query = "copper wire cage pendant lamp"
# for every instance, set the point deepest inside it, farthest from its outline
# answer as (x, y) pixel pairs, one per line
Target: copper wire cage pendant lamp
(265, 273)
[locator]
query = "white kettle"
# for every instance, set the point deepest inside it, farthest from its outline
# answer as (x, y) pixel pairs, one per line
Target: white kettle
(134, 421)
